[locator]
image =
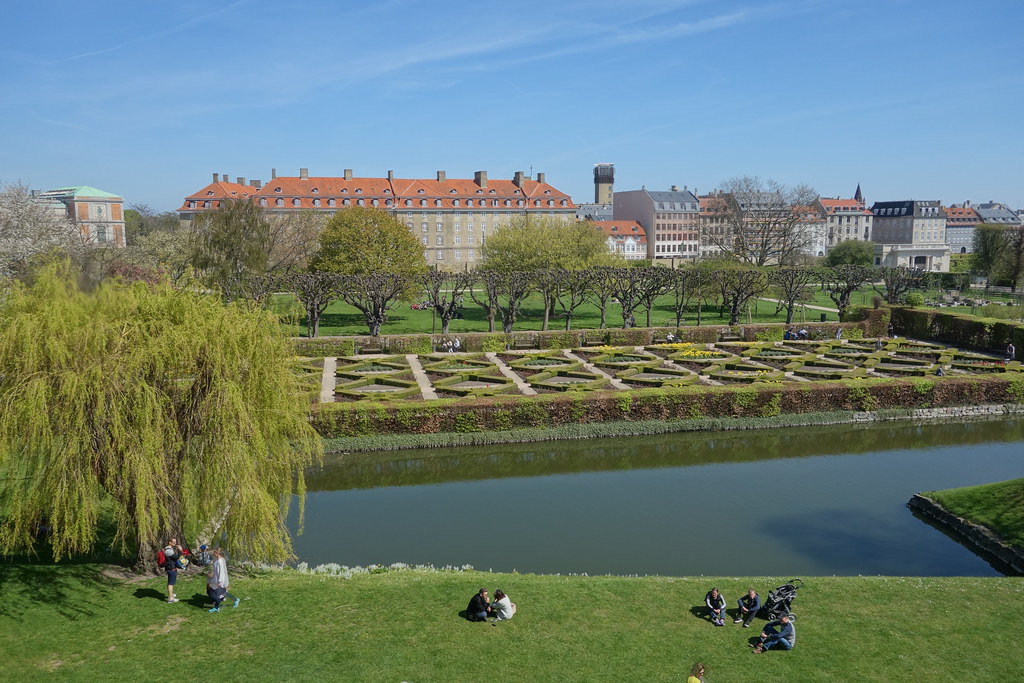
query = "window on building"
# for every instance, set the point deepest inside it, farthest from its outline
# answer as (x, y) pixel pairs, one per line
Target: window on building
(315, 190)
(331, 202)
(424, 240)
(361, 202)
(458, 239)
(279, 202)
(470, 254)
(263, 202)
(316, 201)
(440, 227)
(346, 202)
(458, 254)
(423, 227)
(458, 227)
(440, 255)
(359, 190)
(296, 202)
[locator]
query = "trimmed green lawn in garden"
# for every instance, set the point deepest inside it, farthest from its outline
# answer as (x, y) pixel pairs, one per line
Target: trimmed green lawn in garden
(999, 507)
(72, 622)
(342, 319)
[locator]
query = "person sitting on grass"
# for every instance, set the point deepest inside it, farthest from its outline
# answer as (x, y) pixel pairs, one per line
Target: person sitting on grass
(502, 608)
(478, 609)
(777, 634)
(696, 674)
(749, 606)
(716, 606)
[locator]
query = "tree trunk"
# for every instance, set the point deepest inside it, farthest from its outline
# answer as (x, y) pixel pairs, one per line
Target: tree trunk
(789, 312)
(547, 313)
(604, 310)
(568, 321)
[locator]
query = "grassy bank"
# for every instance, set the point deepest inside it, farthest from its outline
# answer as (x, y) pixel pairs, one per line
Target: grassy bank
(999, 507)
(405, 626)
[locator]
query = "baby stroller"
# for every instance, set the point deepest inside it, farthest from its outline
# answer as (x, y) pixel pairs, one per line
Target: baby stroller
(780, 600)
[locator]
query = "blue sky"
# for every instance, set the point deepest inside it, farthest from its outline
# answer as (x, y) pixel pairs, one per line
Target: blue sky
(911, 98)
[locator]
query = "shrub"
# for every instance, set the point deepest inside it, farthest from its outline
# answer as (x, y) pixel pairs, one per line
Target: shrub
(411, 343)
(320, 347)
(915, 299)
(634, 336)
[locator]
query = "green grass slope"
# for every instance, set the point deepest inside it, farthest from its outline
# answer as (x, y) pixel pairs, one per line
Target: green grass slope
(999, 506)
(73, 623)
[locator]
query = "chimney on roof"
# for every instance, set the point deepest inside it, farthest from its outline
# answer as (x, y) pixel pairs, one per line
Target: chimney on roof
(226, 178)
(518, 179)
(304, 173)
(241, 180)
(540, 177)
(442, 176)
(216, 177)
(273, 173)
(674, 188)
(256, 183)
(348, 174)
(391, 176)
(481, 178)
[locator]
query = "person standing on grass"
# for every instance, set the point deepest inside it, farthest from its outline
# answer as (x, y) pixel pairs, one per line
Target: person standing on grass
(217, 581)
(478, 609)
(716, 606)
(1011, 352)
(749, 606)
(502, 608)
(696, 674)
(778, 634)
(171, 565)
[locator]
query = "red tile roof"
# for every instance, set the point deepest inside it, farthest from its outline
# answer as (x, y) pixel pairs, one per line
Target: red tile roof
(400, 192)
(622, 229)
(833, 205)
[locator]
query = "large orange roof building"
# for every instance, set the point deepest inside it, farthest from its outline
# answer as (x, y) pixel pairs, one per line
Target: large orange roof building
(451, 216)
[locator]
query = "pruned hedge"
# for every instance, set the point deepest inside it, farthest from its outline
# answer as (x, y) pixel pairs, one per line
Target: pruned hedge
(962, 330)
(670, 403)
(562, 339)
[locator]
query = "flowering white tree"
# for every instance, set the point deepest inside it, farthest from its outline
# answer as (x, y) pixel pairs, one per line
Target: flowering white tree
(29, 227)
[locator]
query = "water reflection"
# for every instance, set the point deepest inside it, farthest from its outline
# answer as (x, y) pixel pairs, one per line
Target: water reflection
(781, 502)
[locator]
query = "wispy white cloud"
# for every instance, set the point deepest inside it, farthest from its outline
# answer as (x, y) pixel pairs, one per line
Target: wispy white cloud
(156, 34)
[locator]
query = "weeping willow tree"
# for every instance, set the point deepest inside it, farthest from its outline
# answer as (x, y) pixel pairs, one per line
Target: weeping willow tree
(175, 410)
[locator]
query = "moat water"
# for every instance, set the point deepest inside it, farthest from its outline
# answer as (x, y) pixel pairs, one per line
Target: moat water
(793, 502)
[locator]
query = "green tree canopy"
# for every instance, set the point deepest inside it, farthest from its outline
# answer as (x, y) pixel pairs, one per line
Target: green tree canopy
(361, 241)
(180, 412)
(851, 253)
(231, 242)
(532, 243)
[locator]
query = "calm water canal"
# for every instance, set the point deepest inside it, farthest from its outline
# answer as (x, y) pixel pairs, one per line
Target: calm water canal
(808, 501)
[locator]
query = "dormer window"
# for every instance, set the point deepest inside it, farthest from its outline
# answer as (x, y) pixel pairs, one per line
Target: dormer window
(263, 201)
(480, 191)
(207, 205)
(389, 203)
(508, 202)
(316, 202)
(296, 202)
(191, 205)
(209, 193)
(278, 202)
(277, 189)
(423, 202)
(420, 191)
(515, 191)
(547, 191)
(344, 190)
(375, 202)
(453, 191)
(490, 192)
(359, 190)
(563, 203)
(437, 202)
(408, 202)
(469, 202)
(315, 190)
(346, 202)
(387, 191)
(330, 202)
(455, 202)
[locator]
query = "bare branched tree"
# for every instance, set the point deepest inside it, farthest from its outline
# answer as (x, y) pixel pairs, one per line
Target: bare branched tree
(758, 222)
(374, 294)
(738, 285)
(840, 282)
(602, 289)
(573, 291)
(487, 296)
(315, 291)
(445, 290)
(898, 281)
(793, 285)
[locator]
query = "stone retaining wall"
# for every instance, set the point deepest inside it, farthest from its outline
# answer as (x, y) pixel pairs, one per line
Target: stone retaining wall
(974, 535)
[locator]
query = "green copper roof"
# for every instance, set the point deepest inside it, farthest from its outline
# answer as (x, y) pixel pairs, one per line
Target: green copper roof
(79, 191)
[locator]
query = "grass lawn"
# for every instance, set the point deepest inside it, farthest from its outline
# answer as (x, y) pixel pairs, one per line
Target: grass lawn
(74, 623)
(1000, 507)
(342, 319)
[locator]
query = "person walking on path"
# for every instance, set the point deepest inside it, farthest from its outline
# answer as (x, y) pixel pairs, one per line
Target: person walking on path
(749, 604)
(716, 606)
(217, 581)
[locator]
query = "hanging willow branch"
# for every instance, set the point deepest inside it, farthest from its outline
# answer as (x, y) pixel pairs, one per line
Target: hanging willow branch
(169, 405)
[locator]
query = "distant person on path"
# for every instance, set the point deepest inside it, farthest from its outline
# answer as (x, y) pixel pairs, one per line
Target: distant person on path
(171, 565)
(749, 604)
(1011, 352)
(778, 634)
(478, 609)
(716, 606)
(696, 674)
(217, 581)
(502, 608)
